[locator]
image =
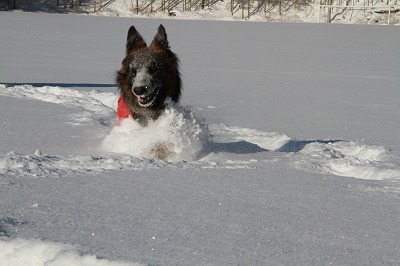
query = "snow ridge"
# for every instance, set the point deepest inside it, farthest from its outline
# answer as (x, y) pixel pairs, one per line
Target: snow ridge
(94, 105)
(342, 158)
(192, 144)
(348, 159)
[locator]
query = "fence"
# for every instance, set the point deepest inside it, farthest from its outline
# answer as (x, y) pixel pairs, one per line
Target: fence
(328, 10)
(151, 6)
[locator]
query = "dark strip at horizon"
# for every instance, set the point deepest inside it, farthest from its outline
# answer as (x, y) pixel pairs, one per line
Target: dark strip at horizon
(66, 85)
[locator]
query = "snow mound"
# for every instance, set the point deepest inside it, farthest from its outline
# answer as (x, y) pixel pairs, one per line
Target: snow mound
(349, 159)
(21, 252)
(341, 158)
(90, 100)
(271, 141)
(97, 106)
(176, 131)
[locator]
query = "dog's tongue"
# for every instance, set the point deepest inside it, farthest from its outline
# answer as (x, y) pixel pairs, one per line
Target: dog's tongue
(143, 100)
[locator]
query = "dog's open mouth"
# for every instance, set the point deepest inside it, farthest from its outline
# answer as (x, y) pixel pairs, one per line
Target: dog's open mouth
(148, 100)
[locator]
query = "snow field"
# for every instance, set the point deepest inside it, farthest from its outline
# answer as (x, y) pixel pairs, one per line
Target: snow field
(285, 105)
(129, 146)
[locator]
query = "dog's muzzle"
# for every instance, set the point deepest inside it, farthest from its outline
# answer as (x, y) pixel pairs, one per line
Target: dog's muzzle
(145, 88)
(140, 91)
(145, 98)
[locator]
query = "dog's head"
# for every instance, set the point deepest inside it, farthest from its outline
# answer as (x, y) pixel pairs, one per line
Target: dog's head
(149, 74)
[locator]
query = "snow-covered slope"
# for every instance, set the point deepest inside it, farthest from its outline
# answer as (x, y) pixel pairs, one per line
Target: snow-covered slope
(287, 148)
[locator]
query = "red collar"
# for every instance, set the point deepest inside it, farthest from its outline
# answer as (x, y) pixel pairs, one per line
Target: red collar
(123, 110)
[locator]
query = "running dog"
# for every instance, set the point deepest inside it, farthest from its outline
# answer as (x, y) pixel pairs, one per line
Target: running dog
(149, 77)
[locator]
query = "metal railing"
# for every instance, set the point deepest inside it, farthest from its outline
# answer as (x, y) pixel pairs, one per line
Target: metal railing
(390, 9)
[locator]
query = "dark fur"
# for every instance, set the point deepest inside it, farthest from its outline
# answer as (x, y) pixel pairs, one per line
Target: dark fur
(161, 66)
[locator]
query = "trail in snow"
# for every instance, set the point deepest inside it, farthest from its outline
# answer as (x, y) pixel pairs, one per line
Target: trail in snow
(128, 146)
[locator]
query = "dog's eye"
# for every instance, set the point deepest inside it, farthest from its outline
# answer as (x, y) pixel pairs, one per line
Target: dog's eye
(133, 73)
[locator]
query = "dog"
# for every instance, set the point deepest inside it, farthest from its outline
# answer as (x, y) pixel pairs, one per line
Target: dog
(149, 77)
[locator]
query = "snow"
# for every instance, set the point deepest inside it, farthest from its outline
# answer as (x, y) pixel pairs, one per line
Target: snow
(21, 252)
(177, 129)
(355, 12)
(286, 147)
(286, 11)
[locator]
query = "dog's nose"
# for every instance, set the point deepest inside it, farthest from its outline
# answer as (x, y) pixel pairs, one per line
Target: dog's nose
(140, 90)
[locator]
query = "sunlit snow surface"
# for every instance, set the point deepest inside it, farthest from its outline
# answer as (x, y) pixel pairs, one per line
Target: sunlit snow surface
(285, 146)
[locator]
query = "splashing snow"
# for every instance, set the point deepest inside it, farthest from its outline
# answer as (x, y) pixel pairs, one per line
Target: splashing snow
(177, 130)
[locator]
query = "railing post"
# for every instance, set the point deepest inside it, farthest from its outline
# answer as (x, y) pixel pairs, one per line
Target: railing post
(319, 12)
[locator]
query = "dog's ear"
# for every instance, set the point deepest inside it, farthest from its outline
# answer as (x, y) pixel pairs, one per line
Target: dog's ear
(160, 41)
(134, 41)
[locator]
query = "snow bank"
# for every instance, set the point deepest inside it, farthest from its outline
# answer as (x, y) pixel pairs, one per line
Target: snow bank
(177, 130)
(21, 252)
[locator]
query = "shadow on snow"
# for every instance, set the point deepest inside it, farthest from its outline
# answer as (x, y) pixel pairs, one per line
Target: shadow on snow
(298, 145)
(245, 147)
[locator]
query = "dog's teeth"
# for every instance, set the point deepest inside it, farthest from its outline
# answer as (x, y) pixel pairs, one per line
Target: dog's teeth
(148, 100)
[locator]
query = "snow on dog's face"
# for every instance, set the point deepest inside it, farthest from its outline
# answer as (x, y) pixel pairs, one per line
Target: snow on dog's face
(148, 75)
